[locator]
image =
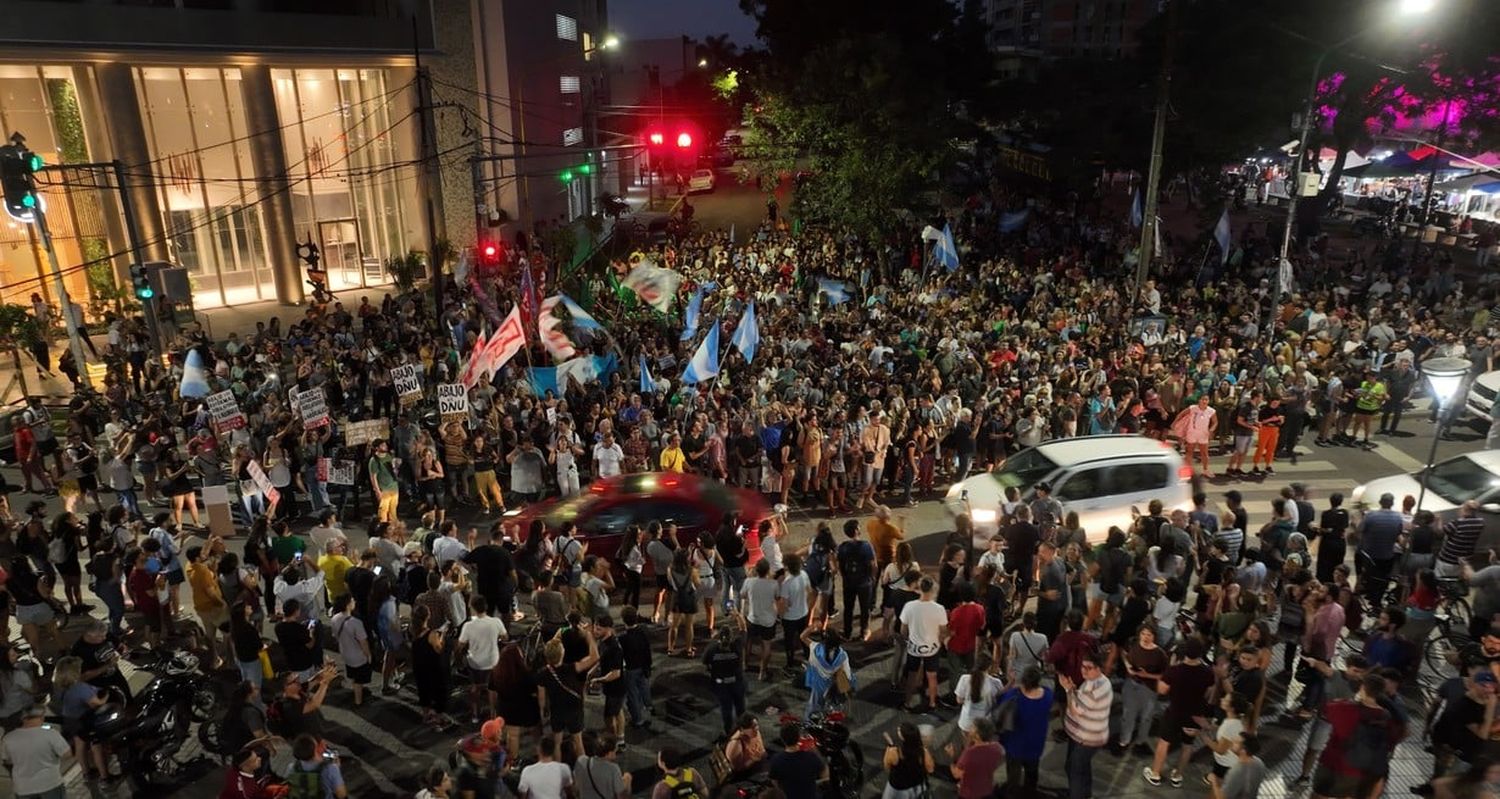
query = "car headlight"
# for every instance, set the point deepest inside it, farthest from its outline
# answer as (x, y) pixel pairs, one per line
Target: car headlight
(982, 516)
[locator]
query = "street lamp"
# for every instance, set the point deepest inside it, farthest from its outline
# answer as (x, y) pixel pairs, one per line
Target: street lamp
(610, 42)
(1445, 376)
(1404, 9)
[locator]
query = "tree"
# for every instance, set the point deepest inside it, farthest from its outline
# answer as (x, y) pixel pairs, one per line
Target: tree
(867, 98)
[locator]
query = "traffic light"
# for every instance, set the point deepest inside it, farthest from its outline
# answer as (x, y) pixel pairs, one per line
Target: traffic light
(141, 283)
(657, 138)
(17, 165)
(585, 169)
(309, 254)
(684, 140)
(565, 176)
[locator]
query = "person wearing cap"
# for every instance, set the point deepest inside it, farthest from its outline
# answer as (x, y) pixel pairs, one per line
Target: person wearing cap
(1458, 730)
(34, 755)
(245, 778)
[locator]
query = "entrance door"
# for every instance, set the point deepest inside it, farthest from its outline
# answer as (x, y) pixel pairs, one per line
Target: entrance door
(341, 255)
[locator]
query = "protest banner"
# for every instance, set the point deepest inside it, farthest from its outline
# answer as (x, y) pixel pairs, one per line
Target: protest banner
(453, 402)
(225, 411)
(357, 433)
(314, 409)
(408, 384)
(263, 482)
(341, 473)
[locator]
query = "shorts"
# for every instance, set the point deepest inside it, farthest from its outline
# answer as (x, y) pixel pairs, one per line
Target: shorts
(613, 704)
(478, 676)
(359, 675)
(927, 664)
(40, 613)
(1242, 444)
(1220, 772)
(88, 482)
(1358, 411)
(766, 632)
(1115, 599)
(661, 581)
(175, 577)
(47, 446)
(1178, 731)
(1317, 740)
(1329, 783)
(569, 721)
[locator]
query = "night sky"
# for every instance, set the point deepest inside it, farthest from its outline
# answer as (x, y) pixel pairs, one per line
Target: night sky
(654, 19)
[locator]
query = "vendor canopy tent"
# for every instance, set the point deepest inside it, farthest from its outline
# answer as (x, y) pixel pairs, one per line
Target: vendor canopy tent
(1407, 164)
(1485, 182)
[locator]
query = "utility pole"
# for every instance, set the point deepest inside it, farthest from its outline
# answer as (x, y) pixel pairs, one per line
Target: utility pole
(430, 175)
(1158, 139)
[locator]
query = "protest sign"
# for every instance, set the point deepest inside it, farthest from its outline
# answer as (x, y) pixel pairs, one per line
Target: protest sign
(313, 408)
(357, 433)
(341, 473)
(453, 402)
(408, 384)
(225, 411)
(263, 482)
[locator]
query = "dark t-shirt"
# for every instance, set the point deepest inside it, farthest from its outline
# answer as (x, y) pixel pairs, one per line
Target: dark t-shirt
(796, 773)
(293, 637)
(294, 722)
(1022, 539)
(468, 780)
(612, 657)
(495, 568)
(1187, 690)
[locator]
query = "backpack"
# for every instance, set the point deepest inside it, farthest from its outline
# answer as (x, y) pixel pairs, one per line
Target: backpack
(304, 784)
(854, 562)
(1369, 748)
(684, 787)
(816, 565)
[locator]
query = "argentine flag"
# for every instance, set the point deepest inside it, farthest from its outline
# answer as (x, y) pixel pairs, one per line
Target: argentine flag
(648, 386)
(747, 335)
(945, 252)
(705, 362)
(1221, 235)
(582, 319)
(194, 376)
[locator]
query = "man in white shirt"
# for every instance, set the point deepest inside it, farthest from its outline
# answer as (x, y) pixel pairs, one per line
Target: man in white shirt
(924, 624)
(34, 754)
(608, 456)
(327, 531)
(304, 582)
(546, 778)
(479, 642)
(448, 548)
(758, 603)
(770, 548)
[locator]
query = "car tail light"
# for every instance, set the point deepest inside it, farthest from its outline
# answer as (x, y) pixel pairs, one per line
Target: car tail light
(1184, 473)
(597, 487)
(670, 482)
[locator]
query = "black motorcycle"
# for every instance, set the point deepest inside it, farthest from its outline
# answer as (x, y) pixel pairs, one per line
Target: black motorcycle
(146, 734)
(846, 761)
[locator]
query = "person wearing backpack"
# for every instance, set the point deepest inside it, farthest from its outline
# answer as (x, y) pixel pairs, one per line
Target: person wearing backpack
(819, 566)
(678, 780)
(1362, 738)
(856, 562)
(315, 772)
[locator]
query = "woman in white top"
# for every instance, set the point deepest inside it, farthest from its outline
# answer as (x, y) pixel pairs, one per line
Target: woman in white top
(1226, 739)
(891, 579)
(1027, 647)
(280, 472)
(977, 692)
(706, 562)
(1164, 614)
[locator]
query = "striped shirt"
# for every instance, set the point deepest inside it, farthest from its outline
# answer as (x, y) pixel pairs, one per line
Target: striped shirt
(1460, 537)
(1087, 720)
(1234, 540)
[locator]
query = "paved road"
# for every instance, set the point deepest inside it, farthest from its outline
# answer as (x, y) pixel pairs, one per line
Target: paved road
(389, 747)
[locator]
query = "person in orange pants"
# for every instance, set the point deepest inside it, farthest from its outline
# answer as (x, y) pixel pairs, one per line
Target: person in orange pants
(1271, 417)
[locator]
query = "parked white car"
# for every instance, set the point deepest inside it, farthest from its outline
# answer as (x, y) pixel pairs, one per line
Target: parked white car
(1101, 478)
(1451, 483)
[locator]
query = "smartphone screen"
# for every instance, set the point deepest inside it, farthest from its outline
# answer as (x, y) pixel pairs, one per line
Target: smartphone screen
(378, 570)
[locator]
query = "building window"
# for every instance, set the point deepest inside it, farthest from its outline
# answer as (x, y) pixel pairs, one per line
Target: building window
(567, 28)
(572, 136)
(568, 84)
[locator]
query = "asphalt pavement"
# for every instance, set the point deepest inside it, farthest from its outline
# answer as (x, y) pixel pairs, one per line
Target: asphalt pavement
(387, 747)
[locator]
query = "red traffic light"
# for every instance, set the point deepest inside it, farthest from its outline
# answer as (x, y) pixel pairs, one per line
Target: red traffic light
(490, 251)
(656, 138)
(684, 140)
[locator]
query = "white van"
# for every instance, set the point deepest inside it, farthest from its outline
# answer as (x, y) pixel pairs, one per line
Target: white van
(1098, 477)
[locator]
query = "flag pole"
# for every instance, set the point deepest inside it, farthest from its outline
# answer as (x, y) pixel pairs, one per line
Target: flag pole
(1203, 262)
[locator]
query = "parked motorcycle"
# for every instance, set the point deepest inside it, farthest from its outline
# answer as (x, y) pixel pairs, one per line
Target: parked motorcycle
(146, 734)
(846, 761)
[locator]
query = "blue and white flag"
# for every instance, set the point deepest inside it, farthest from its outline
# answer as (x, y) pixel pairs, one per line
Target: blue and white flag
(1137, 213)
(581, 318)
(1221, 235)
(1012, 221)
(836, 291)
(731, 232)
(945, 251)
(747, 335)
(194, 376)
(648, 385)
(691, 315)
(705, 362)
(543, 379)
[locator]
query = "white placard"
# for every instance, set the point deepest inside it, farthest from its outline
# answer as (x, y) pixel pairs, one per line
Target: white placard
(356, 433)
(313, 408)
(341, 473)
(453, 402)
(225, 411)
(408, 383)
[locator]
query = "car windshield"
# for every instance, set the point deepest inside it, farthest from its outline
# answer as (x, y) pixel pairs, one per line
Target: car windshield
(570, 509)
(1024, 469)
(1460, 480)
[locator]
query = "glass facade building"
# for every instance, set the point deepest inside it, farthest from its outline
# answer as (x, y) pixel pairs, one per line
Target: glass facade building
(346, 164)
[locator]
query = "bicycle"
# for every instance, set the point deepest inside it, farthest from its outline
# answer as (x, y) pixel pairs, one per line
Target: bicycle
(1450, 631)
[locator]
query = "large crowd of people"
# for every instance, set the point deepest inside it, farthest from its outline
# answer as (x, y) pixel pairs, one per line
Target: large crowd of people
(879, 380)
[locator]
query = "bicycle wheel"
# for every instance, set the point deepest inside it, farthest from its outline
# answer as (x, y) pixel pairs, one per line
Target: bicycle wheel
(1459, 613)
(1443, 646)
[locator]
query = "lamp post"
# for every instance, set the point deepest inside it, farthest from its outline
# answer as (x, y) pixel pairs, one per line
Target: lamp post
(1445, 376)
(1404, 9)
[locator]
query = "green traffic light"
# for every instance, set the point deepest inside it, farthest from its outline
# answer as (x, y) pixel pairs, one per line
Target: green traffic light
(145, 292)
(566, 176)
(29, 200)
(585, 169)
(36, 162)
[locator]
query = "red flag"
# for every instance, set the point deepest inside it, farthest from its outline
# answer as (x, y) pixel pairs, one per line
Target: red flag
(529, 301)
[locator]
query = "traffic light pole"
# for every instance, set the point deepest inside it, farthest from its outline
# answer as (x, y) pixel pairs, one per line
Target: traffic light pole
(75, 342)
(133, 233)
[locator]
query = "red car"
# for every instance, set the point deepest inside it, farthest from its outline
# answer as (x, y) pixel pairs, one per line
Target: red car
(696, 504)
